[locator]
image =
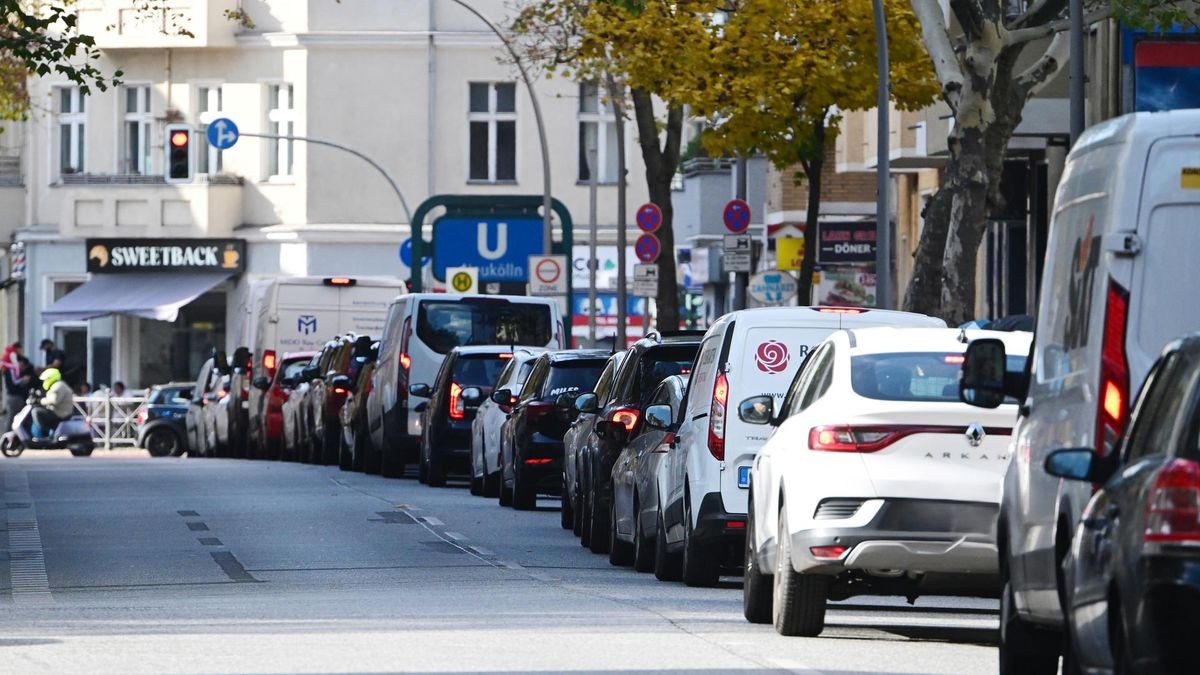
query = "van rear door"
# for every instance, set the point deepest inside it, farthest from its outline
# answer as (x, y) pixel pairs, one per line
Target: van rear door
(362, 310)
(308, 316)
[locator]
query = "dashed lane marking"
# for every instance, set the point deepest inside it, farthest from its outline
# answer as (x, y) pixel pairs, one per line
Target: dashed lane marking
(27, 560)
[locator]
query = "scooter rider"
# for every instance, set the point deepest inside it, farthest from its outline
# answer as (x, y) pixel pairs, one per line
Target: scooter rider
(56, 405)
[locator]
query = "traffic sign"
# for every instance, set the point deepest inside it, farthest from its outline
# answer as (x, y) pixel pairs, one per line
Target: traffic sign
(462, 280)
(549, 275)
(406, 254)
(499, 246)
(737, 216)
(737, 243)
(649, 217)
(645, 280)
(736, 262)
(222, 133)
(647, 248)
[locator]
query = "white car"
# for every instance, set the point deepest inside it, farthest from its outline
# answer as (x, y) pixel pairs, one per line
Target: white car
(878, 479)
(489, 417)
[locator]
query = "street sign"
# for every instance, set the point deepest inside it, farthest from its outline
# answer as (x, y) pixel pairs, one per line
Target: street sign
(499, 247)
(649, 217)
(645, 280)
(647, 248)
(462, 280)
(737, 216)
(406, 254)
(549, 275)
(222, 133)
(737, 243)
(772, 289)
(736, 262)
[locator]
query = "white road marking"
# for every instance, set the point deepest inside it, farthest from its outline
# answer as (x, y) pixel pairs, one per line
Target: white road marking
(430, 520)
(455, 536)
(27, 561)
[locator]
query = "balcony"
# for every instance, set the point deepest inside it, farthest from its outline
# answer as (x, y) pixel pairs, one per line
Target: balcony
(145, 206)
(175, 24)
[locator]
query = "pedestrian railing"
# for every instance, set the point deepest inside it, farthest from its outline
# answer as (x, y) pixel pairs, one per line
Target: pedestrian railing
(113, 419)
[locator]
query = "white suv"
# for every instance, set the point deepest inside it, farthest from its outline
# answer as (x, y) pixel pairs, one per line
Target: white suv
(878, 480)
(745, 353)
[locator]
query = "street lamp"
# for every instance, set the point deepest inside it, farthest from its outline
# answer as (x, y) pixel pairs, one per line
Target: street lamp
(541, 127)
(883, 230)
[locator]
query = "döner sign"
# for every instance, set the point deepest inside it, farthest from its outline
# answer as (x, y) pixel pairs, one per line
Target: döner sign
(142, 255)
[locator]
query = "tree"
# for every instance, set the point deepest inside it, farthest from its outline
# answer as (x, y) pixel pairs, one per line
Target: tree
(977, 68)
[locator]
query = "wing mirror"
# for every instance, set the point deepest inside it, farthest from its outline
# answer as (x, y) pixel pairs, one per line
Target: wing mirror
(1080, 464)
(421, 390)
(473, 396)
(341, 382)
(587, 403)
(983, 379)
(504, 397)
(287, 382)
(757, 410)
(241, 359)
(310, 373)
(221, 363)
(659, 417)
(261, 382)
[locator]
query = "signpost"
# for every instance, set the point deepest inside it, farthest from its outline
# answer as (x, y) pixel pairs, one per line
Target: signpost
(645, 280)
(737, 216)
(649, 217)
(736, 256)
(464, 280)
(647, 248)
(548, 275)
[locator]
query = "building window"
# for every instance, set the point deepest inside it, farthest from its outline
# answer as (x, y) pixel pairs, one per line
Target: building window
(282, 118)
(72, 130)
(138, 125)
(492, 126)
(598, 131)
(208, 108)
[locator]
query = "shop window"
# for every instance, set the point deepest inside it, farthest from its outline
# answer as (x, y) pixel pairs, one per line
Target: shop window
(492, 130)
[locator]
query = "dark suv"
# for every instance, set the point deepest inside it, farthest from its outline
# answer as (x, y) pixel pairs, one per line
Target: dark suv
(648, 362)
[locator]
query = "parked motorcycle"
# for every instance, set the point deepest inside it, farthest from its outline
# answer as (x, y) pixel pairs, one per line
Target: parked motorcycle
(73, 433)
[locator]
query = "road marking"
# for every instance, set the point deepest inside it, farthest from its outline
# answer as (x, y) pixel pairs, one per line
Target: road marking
(197, 527)
(210, 541)
(430, 520)
(187, 513)
(27, 560)
(232, 567)
(455, 536)
(482, 551)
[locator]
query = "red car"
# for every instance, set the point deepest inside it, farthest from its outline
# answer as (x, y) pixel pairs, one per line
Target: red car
(279, 381)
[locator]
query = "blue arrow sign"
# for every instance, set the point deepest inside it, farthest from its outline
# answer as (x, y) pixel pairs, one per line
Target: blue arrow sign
(222, 133)
(406, 254)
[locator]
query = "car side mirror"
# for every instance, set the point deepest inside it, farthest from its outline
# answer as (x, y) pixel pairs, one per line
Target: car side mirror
(287, 382)
(241, 359)
(567, 401)
(1080, 464)
(342, 381)
(757, 410)
(421, 390)
(310, 373)
(504, 397)
(261, 382)
(473, 396)
(659, 417)
(982, 380)
(587, 403)
(221, 363)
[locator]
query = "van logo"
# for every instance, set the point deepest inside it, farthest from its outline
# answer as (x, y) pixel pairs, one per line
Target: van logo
(306, 324)
(975, 434)
(772, 357)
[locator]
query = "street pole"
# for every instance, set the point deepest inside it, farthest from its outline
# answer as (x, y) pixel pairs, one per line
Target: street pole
(883, 229)
(1076, 58)
(547, 214)
(741, 279)
(616, 96)
(592, 181)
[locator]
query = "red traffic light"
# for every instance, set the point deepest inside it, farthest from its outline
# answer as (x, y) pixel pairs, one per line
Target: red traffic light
(179, 139)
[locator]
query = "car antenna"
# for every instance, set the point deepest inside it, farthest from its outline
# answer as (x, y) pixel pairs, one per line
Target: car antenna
(962, 335)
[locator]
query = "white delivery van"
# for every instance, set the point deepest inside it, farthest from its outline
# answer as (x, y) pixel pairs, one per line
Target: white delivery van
(301, 314)
(752, 352)
(1120, 269)
(421, 329)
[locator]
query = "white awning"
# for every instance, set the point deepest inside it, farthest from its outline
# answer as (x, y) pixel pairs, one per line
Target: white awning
(148, 295)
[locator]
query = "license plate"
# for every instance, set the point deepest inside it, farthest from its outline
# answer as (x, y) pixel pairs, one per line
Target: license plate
(743, 476)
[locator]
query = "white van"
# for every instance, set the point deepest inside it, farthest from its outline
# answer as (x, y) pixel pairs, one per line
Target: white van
(1120, 268)
(301, 314)
(421, 329)
(752, 352)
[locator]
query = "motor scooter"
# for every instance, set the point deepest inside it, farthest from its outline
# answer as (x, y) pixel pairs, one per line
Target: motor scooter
(73, 433)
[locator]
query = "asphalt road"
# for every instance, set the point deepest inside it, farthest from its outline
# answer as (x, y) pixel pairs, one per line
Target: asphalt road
(122, 563)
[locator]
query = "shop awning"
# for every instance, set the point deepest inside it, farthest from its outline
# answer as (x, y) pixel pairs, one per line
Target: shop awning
(148, 295)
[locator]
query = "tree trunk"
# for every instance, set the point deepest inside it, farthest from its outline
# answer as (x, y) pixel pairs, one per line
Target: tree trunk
(661, 163)
(812, 174)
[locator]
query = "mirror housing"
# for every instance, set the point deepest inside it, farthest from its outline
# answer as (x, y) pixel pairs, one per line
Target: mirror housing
(287, 382)
(504, 397)
(221, 362)
(758, 410)
(660, 417)
(310, 373)
(587, 403)
(473, 396)
(1079, 464)
(421, 390)
(982, 378)
(241, 361)
(261, 382)
(343, 381)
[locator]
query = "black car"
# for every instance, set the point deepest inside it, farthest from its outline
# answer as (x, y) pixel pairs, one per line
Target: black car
(531, 439)
(648, 362)
(446, 418)
(1131, 586)
(162, 422)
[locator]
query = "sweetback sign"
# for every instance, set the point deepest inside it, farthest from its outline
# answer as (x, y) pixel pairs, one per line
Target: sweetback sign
(107, 256)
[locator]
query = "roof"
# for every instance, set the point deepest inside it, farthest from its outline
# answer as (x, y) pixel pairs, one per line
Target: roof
(287, 356)
(579, 355)
(1139, 126)
(883, 340)
(452, 297)
(785, 316)
(482, 350)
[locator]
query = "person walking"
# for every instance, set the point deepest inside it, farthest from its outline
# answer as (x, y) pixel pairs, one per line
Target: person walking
(55, 357)
(16, 388)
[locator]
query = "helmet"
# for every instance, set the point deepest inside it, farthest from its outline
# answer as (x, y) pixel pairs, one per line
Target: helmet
(50, 376)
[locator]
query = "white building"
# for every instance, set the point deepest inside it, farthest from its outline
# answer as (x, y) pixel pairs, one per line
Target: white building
(418, 85)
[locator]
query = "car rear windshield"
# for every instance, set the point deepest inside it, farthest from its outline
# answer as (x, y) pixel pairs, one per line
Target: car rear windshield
(480, 371)
(293, 369)
(659, 363)
(572, 376)
(444, 325)
(171, 396)
(914, 376)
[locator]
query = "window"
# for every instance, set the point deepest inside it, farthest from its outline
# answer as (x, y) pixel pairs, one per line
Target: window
(136, 131)
(208, 108)
(571, 377)
(281, 118)
(607, 376)
(915, 376)
(597, 131)
(1159, 408)
(72, 130)
(533, 384)
(492, 127)
(477, 371)
(444, 325)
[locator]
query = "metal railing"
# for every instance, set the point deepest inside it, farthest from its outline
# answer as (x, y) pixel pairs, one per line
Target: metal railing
(113, 419)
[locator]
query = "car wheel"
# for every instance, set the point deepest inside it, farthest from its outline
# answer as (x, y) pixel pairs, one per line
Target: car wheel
(757, 587)
(476, 485)
(576, 516)
(524, 496)
(162, 442)
(435, 471)
(643, 544)
(620, 553)
(667, 565)
(370, 456)
(391, 463)
(314, 448)
(598, 527)
(491, 485)
(1024, 647)
(506, 494)
(82, 450)
(332, 444)
(567, 514)
(700, 568)
(798, 599)
(585, 519)
(422, 464)
(345, 459)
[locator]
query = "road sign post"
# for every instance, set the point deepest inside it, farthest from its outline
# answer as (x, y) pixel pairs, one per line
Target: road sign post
(645, 280)
(647, 248)
(548, 275)
(736, 217)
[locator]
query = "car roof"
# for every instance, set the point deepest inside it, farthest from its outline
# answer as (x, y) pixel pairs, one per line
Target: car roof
(481, 350)
(578, 355)
(446, 297)
(890, 340)
(288, 356)
(842, 316)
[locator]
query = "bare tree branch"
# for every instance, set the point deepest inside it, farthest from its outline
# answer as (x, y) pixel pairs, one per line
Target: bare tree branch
(1041, 72)
(937, 41)
(1022, 35)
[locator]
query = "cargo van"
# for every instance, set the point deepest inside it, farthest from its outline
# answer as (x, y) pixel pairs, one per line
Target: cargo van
(752, 352)
(300, 314)
(421, 329)
(1120, 268)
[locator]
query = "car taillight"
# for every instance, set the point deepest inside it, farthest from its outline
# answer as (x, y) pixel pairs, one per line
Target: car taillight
(142, 415)
(827, 552)
(534, 412)
(841, 310)
(1113, 402)
(269, 362)
(341, 391)
(458, 407)
(405, 361)
(716, 417)
(1173, 507)
(626, 417)
(852, 439)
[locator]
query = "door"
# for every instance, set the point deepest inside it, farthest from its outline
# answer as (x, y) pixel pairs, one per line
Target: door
(73, 341)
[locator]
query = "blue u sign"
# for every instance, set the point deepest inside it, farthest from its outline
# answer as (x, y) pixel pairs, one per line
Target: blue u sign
(499, 247)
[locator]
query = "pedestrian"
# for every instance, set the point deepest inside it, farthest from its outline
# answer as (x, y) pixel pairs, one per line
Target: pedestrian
(16, 388)
(83, 389)
(118, 388)
(55, 357)
(10, 360)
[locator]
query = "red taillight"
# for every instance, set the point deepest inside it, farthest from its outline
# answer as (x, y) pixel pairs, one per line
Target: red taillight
(735, 525)
(862, 439)
(506, 355)
(142, 415)
(626, 417)
(827, 552)
(341, 391)
(405, 361)
(716, 417)
(269, 362)
(1113, 402)
(1173, 508)
(841, 310)
(458, 407)
(538, 460)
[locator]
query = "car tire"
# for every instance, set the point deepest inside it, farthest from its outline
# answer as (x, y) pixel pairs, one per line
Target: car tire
(345, 460)
(798, 602)
(332, 445)
(82, 450)
(435, 472)
(757, 586)
(585, 518)
(643, 544)
(492, 485)
(566, 517)
(162, 442)
(597, 527)
(700, 567)
(576, 516)
(476, 485)
(620, 554)
(372, 459)
(524, 496)
(391, 463)
(667, 565)
(506, 494)
(1024, 647)
(422, 465)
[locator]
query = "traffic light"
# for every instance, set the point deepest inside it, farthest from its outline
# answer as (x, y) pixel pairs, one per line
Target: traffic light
(179, 154)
